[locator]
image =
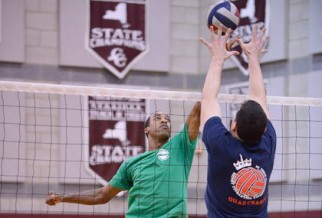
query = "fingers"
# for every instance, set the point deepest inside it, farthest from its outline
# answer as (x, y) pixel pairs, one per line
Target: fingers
(53, 198)
(240, 42)
(51, 193)
(254, 33)
(231, 43)
(264, 51)
(227, 35)
(265, 41)
(220, 31)
(232, 53)
(212, 35)
(262, 37)
(263, 32)
(203, 41)
(258, 36)
(50, 202)
(258, 33)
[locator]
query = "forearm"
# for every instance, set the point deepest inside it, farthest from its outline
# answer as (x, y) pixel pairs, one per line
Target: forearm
(213, 79)
(256, 84)
(256, 81)
(209, 98)
(193, 121)
(91, 197)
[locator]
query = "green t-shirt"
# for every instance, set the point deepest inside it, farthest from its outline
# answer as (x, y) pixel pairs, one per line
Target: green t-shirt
(157, 180)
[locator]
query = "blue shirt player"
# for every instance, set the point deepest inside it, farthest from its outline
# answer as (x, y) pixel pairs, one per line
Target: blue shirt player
(240, 161)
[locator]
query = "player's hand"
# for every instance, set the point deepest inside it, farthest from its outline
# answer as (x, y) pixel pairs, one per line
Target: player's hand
(255, 48)
(53, 198)
(218, 46)
(230, 44)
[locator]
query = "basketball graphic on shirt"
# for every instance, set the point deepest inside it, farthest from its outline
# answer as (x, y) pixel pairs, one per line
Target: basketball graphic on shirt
(248, 182)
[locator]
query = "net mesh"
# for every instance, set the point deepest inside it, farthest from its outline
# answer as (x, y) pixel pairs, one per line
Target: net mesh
(52, 138)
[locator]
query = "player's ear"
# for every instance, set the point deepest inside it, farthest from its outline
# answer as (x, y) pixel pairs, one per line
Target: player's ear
(233, 126)
(146, 130)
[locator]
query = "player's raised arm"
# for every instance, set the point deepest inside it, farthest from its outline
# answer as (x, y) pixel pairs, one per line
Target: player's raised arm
(218, 52)
(193, 121)
(91, 197)
(254, 50)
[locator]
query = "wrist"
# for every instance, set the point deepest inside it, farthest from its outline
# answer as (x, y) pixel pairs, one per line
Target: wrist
(217, 60)
(253, 58)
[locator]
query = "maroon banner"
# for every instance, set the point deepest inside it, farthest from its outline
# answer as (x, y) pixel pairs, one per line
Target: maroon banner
(116, 133)
(251, 12)
(117, 33)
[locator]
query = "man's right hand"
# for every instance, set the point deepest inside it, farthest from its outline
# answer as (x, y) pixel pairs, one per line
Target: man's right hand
(53, 198)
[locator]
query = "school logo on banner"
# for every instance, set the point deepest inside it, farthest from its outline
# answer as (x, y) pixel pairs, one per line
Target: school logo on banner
(251, 12)
(117, 33)
(116, 133)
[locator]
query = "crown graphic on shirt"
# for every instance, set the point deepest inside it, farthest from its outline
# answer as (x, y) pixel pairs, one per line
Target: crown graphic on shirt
(242, 163)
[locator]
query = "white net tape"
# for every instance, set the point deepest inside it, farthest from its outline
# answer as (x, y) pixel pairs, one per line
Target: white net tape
(147, 94)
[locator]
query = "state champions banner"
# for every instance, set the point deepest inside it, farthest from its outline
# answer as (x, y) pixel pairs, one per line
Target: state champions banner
(251, 12)
(116, 133)
(117, 33)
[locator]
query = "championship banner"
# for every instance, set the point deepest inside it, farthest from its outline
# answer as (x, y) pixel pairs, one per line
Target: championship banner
(116, 133)
(251, 12)
(117, 33)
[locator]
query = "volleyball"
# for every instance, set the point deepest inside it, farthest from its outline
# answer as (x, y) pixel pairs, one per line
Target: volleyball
(250, 182)
(225, 13)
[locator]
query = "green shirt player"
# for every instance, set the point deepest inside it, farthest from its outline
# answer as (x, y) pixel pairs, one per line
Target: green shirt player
(157, 179)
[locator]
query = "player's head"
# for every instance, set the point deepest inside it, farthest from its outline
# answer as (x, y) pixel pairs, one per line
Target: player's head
(250, 122)
(158, 126)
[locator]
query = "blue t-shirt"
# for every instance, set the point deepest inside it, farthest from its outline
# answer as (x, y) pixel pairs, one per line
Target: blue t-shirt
(238, 174)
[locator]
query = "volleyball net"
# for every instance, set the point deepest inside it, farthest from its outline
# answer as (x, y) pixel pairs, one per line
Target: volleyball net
(74, 138)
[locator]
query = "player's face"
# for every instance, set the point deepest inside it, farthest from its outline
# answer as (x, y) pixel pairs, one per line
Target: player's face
(160, 125)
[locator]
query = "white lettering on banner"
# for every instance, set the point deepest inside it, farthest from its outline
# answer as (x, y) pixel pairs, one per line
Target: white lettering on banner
(109, 33)
(116, 110)
(116, 105)
(118, 57)
(117, 37)
(101, 154)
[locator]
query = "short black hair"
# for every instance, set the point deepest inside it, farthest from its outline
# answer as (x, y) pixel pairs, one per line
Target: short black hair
(251, 122)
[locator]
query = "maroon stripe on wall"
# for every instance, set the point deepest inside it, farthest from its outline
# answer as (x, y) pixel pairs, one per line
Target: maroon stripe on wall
(297, 214)
(10, 215)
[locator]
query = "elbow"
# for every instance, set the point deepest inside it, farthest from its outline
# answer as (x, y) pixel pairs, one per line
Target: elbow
(102, 199)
